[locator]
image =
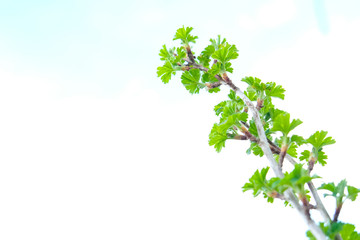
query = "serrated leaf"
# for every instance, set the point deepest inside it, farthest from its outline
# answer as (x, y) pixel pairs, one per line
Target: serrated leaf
(226, 53)
(214, 90)
(319, 139)
(348, 232)
(218, 43)
(305, 155)
(328, 186)
(165, 72)
(190, 79)
(297, 139)
(255, 149)
(273, 90)
(232, 108)
(165, 54)
(215, 69)
(232, 96)
(337, 191)
(253, 128)
(228, 67)
(321, 158)
(256, 182)
(352, 193)
(180, 52)
(251, 95)
(184, 35)
(205, 56)
(292, 150)
(297, 178)
(217, 138)
(282, 124)
(219, 108)
(207, 77)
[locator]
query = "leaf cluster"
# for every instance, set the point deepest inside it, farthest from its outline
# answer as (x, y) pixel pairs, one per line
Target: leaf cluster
(338, 191)
(296, 180)
(346, 231)
(177, 59)
(317, 140)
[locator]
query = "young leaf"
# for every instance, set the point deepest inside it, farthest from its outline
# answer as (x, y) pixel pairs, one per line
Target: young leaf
(348, 232)
(225, 53)
(257, 182)
(292, 150)
(352, 192)
(337, 191)
(297, 178)
(305, 155)
(274, 91)
(190, 79)
(165, 54)
(165, 72)
(206, 77)
(184, 35)
(297, 139)
(218, 43)
(318, 140)
(282, 124)
(321, 158)
(217, 138)
(256, 150)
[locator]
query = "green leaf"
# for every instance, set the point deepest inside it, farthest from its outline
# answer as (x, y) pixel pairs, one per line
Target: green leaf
(206, 77)
(217, 138)
(337, 191)
(228, 67)
(165, 72)
(319, 139)
(225, 53)
(218, 43)
(282, 124)
(219, 108)
(165, 54)
(352, 192)
(297, 178)
(184, 35)
(328, 186)
(232, 96)
(251, 95)
(253, 128)
(181, 54)
(255, 84)
(190, 79)
(234, 108)
(273, 90)
(321, 158)
(348, 232)
(257, 182)
(214, 90)
(297, 139)
(215, 69)
(292, 150)
(305, 155)
(256, 150)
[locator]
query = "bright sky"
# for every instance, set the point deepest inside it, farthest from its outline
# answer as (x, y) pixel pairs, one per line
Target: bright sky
(94, 146)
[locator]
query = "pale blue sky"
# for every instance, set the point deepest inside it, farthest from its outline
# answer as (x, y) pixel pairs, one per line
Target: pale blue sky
(94, 47)
(95, 146)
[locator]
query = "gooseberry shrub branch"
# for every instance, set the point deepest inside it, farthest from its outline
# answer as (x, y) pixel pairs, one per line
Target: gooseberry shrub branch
(250, 115)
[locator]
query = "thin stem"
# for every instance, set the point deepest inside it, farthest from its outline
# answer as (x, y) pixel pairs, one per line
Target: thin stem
(337, 212)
